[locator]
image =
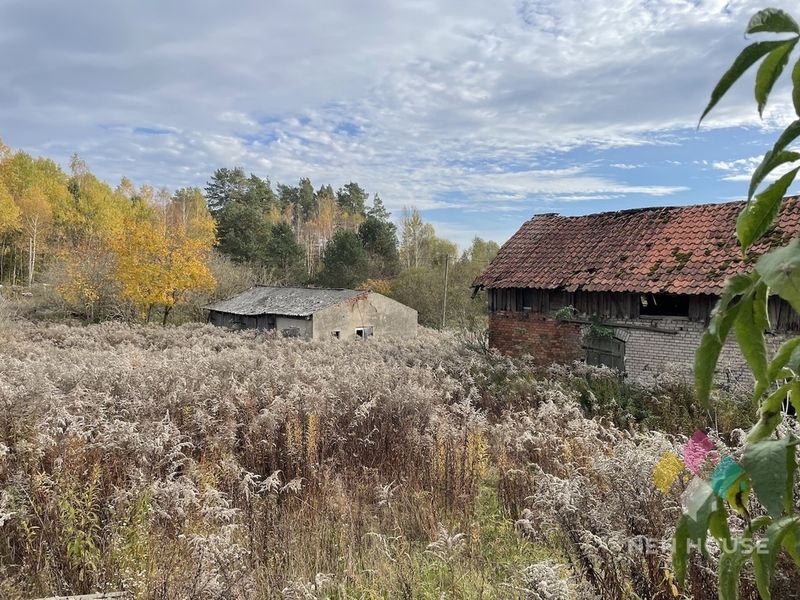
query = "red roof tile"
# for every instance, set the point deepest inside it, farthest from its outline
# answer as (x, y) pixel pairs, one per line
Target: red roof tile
(681, 250)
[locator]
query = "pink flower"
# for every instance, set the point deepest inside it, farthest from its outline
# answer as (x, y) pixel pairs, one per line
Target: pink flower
(696, 450)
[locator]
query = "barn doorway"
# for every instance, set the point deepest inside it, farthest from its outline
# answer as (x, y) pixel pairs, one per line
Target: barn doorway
(605, 351)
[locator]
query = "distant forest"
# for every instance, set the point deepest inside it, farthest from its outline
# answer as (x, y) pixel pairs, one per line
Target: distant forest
(133, 252)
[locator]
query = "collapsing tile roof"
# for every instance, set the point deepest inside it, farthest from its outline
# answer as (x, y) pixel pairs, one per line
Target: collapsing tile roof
(287, 301)
(679, 250)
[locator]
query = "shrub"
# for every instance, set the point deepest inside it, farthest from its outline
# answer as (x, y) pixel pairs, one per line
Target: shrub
(667, 404)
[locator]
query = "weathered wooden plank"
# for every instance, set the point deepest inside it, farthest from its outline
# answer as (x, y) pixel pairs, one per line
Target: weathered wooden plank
(616, 325)
(617, 305)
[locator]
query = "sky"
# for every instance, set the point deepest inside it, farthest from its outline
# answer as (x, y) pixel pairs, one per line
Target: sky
(481, 113)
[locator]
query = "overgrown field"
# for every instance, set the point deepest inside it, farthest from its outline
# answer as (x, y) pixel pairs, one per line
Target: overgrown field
(191, 462)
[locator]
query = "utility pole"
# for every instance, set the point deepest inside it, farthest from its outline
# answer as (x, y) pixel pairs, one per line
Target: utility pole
(444, 299)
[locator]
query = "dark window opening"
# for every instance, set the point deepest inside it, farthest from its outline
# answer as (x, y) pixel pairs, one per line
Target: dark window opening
(337, 334)
(529, 300)
(663, 305)
(364, 332)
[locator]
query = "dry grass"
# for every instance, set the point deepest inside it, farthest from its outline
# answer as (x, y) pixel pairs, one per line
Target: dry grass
(194, 463)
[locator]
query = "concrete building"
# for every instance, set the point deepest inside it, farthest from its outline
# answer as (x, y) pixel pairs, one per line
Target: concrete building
(315, 313)
(631, 289)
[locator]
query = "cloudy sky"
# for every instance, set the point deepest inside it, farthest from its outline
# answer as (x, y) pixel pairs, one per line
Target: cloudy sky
(479, 112)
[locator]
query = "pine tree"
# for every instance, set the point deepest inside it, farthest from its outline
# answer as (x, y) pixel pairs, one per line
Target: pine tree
(346, 263)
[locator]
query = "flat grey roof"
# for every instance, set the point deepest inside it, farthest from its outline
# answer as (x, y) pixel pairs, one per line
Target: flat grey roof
(289, 301)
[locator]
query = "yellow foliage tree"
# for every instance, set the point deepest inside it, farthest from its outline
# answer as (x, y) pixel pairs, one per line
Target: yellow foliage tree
(38, 188)
(36, 216)
(9, 224)
(9, 212)
(98, 211)
(379, 286)
(188, 210)
(350, 220)
(88, 276)
(95, 215)
(158, 266)
(320, 229)
(126, 188)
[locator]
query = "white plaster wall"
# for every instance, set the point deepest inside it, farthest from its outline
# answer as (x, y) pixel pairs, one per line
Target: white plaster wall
(387, 317)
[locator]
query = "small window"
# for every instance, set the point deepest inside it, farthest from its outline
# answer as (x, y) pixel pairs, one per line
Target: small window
(364, 332)
(291, 332)
(337, 334)
(529, 299)
(663, 305)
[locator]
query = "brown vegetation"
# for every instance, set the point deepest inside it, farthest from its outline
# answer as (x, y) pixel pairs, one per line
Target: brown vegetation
(192, 462)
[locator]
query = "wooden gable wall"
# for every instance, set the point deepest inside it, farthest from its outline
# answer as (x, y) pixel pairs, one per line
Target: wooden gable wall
(620, 305)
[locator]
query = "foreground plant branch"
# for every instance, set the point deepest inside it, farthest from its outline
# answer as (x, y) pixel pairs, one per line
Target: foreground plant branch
(768, 463)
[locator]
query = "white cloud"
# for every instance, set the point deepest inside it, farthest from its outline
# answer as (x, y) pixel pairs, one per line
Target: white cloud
(737, 170)
(438, 104)
(742, 169)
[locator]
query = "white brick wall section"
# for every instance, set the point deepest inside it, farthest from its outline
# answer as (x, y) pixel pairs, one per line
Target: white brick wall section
(649, 353)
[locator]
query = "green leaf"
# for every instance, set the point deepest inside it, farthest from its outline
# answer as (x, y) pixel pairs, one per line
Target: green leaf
(791, 467)
(758, 523)
(738, 496)
(718, 523)
(769, 414)
(766, 462)
(792, 546)
(788, 136)
(794, 395)
(769, 72)
(707, 354)
(781, 358)
(772, 20)
(780, 269)
(761, 571)
(758, 215)
(755, 525)
(796, 87)
(680, 549)
(744, 61)
(766, 553)
(749, 327)
(769, 163)
(705, 363)
(734, 287)
(730, 565)
(760, 311)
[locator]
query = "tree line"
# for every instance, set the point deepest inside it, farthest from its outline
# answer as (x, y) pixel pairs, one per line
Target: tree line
(131, 252)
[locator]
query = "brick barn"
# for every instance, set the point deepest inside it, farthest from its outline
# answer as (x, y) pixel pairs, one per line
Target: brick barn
(632, 289)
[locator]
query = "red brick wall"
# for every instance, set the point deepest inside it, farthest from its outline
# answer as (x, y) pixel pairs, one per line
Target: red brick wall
(546, 339)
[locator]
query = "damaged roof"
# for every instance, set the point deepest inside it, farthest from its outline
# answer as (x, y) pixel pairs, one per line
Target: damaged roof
(679, 250)
(287, 301)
